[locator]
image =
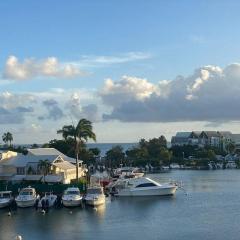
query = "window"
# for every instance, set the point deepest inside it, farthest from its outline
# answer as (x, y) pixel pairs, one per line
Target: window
(20, 170)
(146, 185)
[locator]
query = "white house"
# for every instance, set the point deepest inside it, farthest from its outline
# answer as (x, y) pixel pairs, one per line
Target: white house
(16, 166)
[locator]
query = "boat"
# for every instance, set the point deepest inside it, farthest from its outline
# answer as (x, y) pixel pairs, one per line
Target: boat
(95, 196)
(127, 172)
(72, 197)
(6, 198)
(142, 186)
(27, 197)
(51, 198)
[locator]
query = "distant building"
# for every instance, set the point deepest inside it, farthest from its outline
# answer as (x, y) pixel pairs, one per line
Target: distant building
(218, 139)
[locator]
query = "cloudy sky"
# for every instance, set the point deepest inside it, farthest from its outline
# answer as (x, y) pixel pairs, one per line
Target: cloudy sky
(136, 69)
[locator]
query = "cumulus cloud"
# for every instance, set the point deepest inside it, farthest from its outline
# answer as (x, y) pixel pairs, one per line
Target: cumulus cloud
(15, 107)
(54, 111)
(210, 94)
(32, 68)
(130, 89)
(76, 110)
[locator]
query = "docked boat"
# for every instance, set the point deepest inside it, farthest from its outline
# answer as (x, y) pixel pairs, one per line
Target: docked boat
(95, 196)
(127, 172)
(48, 197)
(72, 197)
(142, 186)
(6, 198)
(27, 197)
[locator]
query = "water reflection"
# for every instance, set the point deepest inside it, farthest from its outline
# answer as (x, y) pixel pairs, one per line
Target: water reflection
(209, 211)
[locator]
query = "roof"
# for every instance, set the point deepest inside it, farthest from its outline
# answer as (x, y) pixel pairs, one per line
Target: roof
(64, 165)
(53, 178)
(22, 160)
(49, 152)
(196, 133)
(33, 177)
(183, 134)
(44, 151)
(226, 134)
(211, 133)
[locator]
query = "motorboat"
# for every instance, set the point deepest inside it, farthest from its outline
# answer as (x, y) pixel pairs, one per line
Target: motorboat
(27, 197)
(48, 197)
(72, 197)
(95, 196)
(6, 198)
(128, 172)
(142, 186)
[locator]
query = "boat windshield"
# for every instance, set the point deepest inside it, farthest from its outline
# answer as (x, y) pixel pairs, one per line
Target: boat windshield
(73, 192)
(26, 193)
(94, 191)
(5, 195)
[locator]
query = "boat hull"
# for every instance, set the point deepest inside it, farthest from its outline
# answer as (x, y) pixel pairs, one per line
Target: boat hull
(25, 203)
(92, 201)
(154, 191)
(71, 203)
(51, 201)
(6, 203)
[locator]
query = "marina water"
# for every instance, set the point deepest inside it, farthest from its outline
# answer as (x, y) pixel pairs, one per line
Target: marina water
(208, 208)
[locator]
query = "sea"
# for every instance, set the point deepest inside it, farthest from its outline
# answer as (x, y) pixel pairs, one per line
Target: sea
(104, 147)
(207, 207)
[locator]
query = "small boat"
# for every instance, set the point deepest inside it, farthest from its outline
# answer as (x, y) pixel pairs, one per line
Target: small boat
(95, 196)
(6, 198)
(72, 197)
(51, 198)
(27, 197)
(127, 172)
(142, 186)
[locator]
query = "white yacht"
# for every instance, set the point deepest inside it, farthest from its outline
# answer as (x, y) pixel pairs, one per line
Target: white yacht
(72, 197)
(51, 198)
(27, 197)
(5, 198)
(142, 186)
(95, 196)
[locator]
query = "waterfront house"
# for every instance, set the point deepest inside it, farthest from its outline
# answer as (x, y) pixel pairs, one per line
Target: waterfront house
(181, 139)
(218, 139)
(17, 167)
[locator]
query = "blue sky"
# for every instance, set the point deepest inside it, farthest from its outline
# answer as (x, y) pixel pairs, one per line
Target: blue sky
(151, 40)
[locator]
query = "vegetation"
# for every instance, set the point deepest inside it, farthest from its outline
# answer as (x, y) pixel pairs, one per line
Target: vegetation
(7, 138)
(78, 135)
(44, 167)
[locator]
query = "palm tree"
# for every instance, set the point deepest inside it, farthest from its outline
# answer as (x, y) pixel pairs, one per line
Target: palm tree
(80, 134)
(44, 167)
(7, 137)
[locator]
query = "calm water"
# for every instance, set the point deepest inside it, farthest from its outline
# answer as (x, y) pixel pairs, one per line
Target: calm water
(210, 210)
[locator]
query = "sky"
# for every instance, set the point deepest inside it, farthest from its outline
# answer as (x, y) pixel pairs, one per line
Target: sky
(136, 69)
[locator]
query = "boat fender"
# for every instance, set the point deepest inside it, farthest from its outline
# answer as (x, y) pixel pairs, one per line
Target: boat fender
(18, 237)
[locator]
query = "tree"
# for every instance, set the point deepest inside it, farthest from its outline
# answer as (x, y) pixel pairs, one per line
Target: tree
(211, 155)
(7, 138)
(115, 156)
(166, 156)
(230, 147)
(80, 135)
(44, 167)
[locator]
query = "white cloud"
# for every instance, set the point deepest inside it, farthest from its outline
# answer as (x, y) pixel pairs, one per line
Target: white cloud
(210, 94)
(131, 88)
(105, 60)
(32, 68)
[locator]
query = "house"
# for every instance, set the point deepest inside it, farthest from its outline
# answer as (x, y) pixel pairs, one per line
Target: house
(181, 139)
(17, 167)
